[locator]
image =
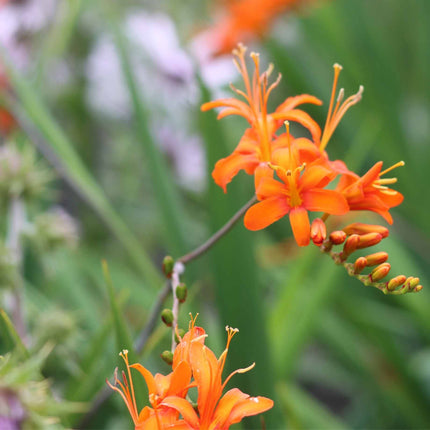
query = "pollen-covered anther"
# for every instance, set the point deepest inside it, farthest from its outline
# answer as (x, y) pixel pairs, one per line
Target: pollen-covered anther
(360, 228)
(369, 239)
(350, 246)
(376, 258)
(394, 283)
(380, 272)
(359, 265)
(318, 231)
(337, 237)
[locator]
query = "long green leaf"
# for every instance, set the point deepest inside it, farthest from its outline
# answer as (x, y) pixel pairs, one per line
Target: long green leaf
(165, 193)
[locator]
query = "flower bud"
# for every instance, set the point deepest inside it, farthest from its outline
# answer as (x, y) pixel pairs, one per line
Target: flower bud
(337, 237)
(350, 246)
(392, 284)
(168, 264)
(167, 356)
(181, 292)
(318, 231)
(359, 265)
(369, 239)
(412, 282)
(180, 333)
(380, 272)
(167, 317)
(360, 228)
(417, 289)
(376, 258)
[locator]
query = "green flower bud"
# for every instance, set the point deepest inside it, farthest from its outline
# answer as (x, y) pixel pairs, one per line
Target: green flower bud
(181, 292)
(167, 317)
(168, 264)
(167, 357)
(180, 333)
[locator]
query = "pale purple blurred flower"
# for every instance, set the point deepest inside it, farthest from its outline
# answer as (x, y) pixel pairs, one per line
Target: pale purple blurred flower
(20, 19)
(165, 75)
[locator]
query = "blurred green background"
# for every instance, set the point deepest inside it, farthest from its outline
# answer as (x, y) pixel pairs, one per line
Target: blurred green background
(109, 94)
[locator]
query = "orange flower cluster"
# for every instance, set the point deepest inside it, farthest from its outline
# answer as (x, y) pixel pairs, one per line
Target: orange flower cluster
(194, 365)
(243, 20)
(302, 166)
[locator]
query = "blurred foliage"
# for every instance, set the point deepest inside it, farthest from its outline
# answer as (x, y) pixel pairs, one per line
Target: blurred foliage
(331, 352)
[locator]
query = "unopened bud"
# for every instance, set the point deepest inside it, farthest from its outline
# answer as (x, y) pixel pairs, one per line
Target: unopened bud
(376, 258)
(369, 239)
(359, 265)
(412, 282)
(360, 228)
(417, 289)
(318, 231)
(180, 333)
(380, 272)
(167, 356)
(167, 317)
(392, 284)
(168, 264)
(337, 237)
(181, 292)
(350, 246)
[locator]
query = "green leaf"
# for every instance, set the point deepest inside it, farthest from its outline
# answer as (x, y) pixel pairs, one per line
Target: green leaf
(304, 412)
(10, 336)
(166, 194)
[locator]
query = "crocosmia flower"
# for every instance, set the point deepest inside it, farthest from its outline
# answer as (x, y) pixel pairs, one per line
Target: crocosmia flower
(214, 410)
(259, 142)
(194, 365)
(301, 190)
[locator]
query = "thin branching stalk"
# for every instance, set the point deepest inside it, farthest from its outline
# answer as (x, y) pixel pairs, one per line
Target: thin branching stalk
(218, 235)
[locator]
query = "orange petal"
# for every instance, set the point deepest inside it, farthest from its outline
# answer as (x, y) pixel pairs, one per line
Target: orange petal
(149, 379)
(262, 171)
(300, 225)
(329, 201)
(265, 213)
(372, 174)
(292, 102)
(230, 399)
(227, 168)
(228, 103)
(302, 118)
(184, 408)
(315, 176)
(248, 407)
(205, 367)
(269, 187)
(180, 379)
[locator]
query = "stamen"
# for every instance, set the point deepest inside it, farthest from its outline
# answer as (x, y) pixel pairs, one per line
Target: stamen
(394, 166)
(386, 181)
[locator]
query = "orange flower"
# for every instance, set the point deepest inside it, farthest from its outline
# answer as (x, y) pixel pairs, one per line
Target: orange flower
(159, 387)
(243, 20)
(214, 412)
(300, 191)
(258, 143)
(370, 192)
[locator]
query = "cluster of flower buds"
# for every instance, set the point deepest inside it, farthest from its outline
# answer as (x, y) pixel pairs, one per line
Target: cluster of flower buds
(359, 236)
(21, 173)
